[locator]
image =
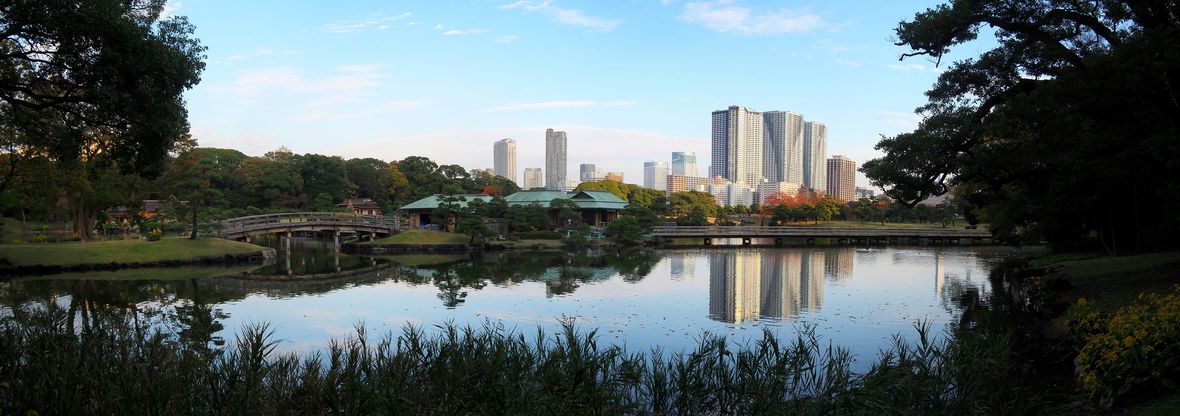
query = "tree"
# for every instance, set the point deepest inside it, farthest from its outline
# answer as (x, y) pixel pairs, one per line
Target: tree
(683, 203)
(696, 216)
(626, 230)
(94, 84)
(1073, 107)
(473, 227)
(324, 175)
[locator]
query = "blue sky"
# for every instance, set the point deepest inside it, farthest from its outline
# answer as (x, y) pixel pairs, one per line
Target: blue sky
(629, 81)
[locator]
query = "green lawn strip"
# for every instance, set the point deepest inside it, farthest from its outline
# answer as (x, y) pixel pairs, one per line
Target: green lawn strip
(171, 273)
(123, 251)
(421, 237)
(1109, 283)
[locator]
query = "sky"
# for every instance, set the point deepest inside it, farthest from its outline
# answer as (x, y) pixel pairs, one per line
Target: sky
(629, 81)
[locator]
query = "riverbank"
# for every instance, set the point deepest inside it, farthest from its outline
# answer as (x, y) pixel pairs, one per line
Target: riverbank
(411, 241)
(113, 255)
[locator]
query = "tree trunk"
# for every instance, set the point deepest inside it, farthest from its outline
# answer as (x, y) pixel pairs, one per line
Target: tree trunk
(83, 216)
(193, 236)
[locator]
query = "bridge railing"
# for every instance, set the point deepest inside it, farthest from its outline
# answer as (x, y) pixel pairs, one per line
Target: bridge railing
(296, 218)
(770, 231)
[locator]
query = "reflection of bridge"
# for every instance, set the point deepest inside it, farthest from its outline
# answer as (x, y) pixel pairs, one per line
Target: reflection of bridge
(297, 222)
(841, 235)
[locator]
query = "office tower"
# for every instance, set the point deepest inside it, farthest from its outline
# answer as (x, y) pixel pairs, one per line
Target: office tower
(684, 163)
(532, 178)
(504, 159)
(782, 147)
(678, 183)
(815, 153)
(737, 145)
(655, 175)
(554, 159)
(768, 189)
(730, 194)
(588, 171)
(614, 176)
(842, 178)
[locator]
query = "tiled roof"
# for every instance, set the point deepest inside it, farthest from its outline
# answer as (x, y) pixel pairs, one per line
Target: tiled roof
(431, 202)
(584, 199)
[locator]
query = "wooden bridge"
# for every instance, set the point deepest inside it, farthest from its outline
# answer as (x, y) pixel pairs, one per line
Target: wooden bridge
(808, 235)
(245, 228)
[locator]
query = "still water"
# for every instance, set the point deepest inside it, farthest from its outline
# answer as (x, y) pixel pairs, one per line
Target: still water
(854, 297)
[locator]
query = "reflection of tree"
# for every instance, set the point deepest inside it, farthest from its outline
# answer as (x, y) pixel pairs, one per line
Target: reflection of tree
(199, 321)
(633, 263)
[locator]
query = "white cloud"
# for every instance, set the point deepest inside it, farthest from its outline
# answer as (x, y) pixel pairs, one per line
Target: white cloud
(571, 17)
(726, 17)
(439, 26)
(558, 104)
(456, 32)
(506, 39)
(915, 67)
(373, 22)
(171, 8)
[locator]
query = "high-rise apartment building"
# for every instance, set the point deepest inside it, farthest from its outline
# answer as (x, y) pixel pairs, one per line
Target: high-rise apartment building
(737, 145)
(554, 159)
(532, 178)
(614, 177)
(678, 183)
(504, 158)
(588, 172)
(842, 178)
(684, 164)
(782, 146)
(655, 175)
(815, 155)
(768, 189)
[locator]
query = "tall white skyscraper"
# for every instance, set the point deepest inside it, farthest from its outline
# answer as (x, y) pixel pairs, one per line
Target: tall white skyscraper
(684, 163)
(815, 155)
(737, 145)
(655, 175)
(554, 159)
(504, 155)
(532, 178)
(589, 172)
(782, 147)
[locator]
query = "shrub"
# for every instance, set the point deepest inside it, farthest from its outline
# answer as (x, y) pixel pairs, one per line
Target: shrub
(540, 235)
(1135, 349)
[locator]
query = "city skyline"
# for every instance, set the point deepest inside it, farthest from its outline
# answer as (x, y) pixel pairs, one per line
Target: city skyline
(441, 79)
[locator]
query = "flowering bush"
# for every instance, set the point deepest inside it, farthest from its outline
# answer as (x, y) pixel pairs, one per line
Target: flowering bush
(1138, 347)
(153, 234)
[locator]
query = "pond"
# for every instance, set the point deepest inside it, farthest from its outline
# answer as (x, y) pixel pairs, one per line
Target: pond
(854, 297)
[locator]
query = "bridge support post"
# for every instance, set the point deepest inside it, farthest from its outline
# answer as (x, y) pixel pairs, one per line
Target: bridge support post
(372, 236)
(336, 241)
(708, 241)
(248, 238)
(746, 241)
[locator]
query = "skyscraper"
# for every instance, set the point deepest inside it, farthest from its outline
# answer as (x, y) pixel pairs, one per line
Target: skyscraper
(655, 175)
(782, 147)
(532, 178)
(504, 155)
(684, 163)
(554, 159)
(815, 153)
(588, 172)
(842, 178)
(737, 145)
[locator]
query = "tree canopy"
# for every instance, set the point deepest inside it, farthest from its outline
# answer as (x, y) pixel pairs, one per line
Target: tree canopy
(1066, 128)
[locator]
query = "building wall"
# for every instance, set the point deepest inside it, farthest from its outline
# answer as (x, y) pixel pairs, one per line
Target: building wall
(588, 172)
(555, 153)
(655, 175)
(766, 189)
(815, 155)
(504, 159)
(678, 183)
(532, 178)
(842, 178)
(782, 147)
(684, 163)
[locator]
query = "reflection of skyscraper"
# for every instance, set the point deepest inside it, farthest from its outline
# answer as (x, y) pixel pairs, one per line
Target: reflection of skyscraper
(683, 266)
(811, 280)
(734, 286)
(839, 263)
(939, 274)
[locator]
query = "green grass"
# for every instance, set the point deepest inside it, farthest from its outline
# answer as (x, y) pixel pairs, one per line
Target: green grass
(529, 244)
(877, 225)
(1113, 282)
(422, 237)
(171, 273)
(125, 251)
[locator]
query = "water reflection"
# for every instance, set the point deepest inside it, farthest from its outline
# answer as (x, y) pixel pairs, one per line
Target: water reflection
(749, 284)
(858, 297)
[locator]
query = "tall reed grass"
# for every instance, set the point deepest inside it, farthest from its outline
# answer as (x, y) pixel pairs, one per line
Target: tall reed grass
(125, 369)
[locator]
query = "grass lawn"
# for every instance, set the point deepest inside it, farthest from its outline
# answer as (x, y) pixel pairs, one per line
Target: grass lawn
(125, 251)
(1112, 282)
(529, 244)
(876, 225)
(422, 237)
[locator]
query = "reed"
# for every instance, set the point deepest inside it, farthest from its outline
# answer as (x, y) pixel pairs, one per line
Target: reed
(119, 368)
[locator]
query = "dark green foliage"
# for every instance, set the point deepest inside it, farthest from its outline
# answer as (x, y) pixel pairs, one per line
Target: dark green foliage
(1066, 129)
(114, 367)
(694, 217)
(474, 228)
(626, 230)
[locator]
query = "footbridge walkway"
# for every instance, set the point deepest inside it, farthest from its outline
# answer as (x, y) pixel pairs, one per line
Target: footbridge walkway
(840, 235)
(245, 228)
